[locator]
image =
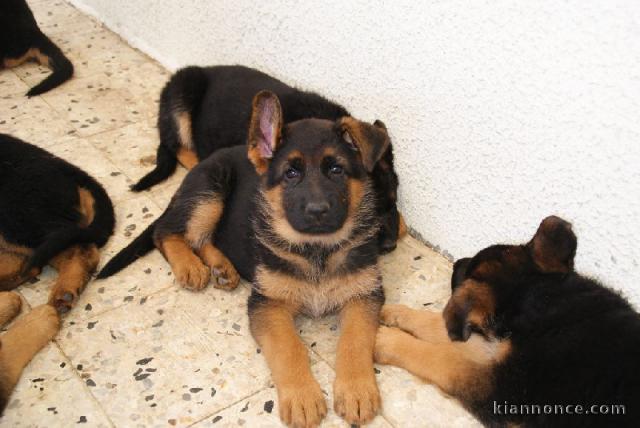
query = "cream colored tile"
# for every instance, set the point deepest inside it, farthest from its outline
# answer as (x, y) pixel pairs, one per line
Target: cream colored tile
(11, 85)
(173, 360)
(32, 120)
(51, 394)
(81, 153)
(261, 409)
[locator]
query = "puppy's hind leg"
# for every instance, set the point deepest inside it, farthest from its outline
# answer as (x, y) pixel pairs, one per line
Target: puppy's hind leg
(22, 342)
(10, 305)
(75, 266)
(12, 266)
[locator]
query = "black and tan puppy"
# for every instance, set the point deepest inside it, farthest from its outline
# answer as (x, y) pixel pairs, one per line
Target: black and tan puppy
(296, 216)
(50, 212)
(22, 341)
(21, 40)
(525, 340)
(205, 109)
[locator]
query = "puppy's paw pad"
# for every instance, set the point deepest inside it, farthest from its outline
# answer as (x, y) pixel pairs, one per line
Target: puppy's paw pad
(225, 277)
(357, 400)
(63, 300)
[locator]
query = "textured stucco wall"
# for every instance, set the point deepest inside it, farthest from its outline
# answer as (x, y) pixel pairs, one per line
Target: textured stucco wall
(501, 112)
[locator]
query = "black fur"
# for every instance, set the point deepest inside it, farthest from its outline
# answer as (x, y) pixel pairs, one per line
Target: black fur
(574, 341)
(38, 200)
(19, 33)
(218, 102)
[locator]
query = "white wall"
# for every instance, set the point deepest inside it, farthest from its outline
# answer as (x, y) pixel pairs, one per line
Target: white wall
(501, 112)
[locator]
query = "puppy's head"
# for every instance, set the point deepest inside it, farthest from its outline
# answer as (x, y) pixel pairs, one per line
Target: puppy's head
(315, 172)
(484, 286)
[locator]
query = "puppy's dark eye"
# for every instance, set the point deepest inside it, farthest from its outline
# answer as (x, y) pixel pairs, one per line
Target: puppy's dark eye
(291, 173)
(336, 170)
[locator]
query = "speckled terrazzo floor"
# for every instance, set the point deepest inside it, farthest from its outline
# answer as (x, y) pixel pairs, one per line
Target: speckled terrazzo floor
(138, 350)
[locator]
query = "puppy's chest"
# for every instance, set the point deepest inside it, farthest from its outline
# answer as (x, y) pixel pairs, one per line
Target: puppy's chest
(320, 296)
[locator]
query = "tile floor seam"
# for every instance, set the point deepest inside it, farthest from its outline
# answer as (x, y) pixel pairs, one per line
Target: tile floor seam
(106, 311)
(230, 405)
(85, 387)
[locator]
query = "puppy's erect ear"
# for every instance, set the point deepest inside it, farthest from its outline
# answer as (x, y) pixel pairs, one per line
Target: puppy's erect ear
(553, 247)
(370, 140)
(264, 129)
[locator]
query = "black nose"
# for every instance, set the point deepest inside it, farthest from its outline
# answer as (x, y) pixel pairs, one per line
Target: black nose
(387, 245)
(317, 209)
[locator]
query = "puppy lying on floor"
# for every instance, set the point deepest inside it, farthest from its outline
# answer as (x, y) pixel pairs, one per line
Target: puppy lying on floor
(295, 215)
(21, 40)
(206, 109)
(22, 341)
(50, 213)
(522, 328)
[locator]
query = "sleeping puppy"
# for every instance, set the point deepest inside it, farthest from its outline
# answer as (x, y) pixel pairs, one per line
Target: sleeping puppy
(205, 109)
(22, 341)
(50, 213)
(295, 215)
(523, 329)
(21, 40)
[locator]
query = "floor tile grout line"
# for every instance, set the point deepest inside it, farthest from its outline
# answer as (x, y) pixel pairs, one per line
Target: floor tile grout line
(85, 387)
(230, 405)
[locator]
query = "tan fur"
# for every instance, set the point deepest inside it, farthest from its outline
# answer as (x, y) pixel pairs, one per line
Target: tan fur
(300, 398)
(31, 54)
(187, 158)
(10, 304)
(86, 207)
(462, 369)
(75, 266)
(371, 140)
(188, 269)
(355, 390)
(477, 297)
(281, 226)
(320, 298)
(24, 339)
(183, 123)
(203, 219)
(12, 261)
(402, 227)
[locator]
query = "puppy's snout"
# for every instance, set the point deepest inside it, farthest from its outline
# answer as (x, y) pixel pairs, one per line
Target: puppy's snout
(317, 210)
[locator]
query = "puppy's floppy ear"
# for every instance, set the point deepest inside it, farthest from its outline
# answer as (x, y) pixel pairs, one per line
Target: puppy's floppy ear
(265, 129)
(553, 247)
(371, 141)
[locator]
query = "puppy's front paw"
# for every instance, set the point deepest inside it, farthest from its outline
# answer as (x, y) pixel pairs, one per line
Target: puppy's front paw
(302, 406)
(192, 276)
(63, 297)
(387, 344)
(226, 276)
(356, 399)
(392, 315)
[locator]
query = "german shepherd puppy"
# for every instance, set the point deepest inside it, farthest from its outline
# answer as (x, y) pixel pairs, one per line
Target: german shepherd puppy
(23, 340)
(21, 40)
(295, 215)
(523, 329)
(205, 109)
(50, 212)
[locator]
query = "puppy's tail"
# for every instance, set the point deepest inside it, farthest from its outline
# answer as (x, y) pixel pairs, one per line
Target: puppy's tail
(132, 252)
(51, 56)
(182, 95)
(97, 232)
